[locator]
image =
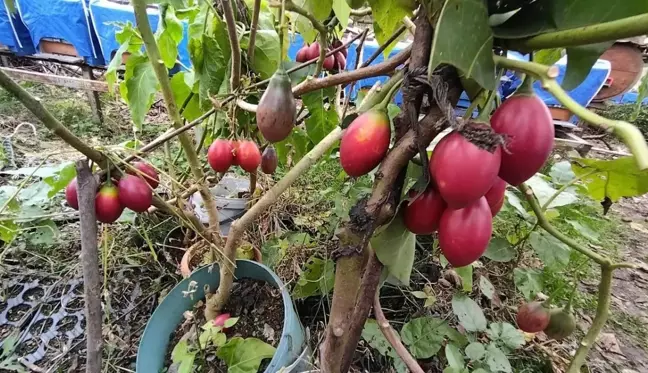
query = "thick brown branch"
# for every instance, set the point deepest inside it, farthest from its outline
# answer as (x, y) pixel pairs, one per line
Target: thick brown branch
(228, 12)
(253, 29)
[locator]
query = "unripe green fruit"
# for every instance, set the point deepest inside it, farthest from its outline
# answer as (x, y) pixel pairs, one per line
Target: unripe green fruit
(561, 324)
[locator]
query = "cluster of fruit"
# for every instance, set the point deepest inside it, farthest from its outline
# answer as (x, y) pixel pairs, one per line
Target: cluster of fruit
(557, 323)
(334, 62)
(469, 181)
(222, 154)
(134, 190)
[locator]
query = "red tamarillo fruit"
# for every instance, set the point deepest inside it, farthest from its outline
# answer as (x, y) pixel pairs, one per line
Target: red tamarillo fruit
(365, 143)
(220, 155)
(463, 171)
(423, 213)
(135, 193)
(340, 61)
(107, 206)
(313, 51)
(329, 63)
(338, 43)
(464, 233)
(532, 317)
(495, 196)
(248, 155)
(276, 111)
(71, 192)
(269, 160)
(220, 320)
(302, 54)
(527, 123)
(147, 172)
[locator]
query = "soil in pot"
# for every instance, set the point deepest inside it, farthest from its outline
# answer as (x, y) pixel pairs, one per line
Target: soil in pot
(259, 308)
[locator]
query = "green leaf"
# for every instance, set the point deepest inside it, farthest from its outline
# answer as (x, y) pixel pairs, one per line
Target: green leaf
(244, 355)
(499, 250)
(642, 93)
(61, 179)
(550, 250)
(466, 274)
(131, 42)
(45, 233)
(561, 173)
(321, 120)
(266, 53)
(513, 200)
(387, 17)
(141, 86)
(612, 179)
(181, 91)
(463, 38)
(374, 337)
(320, 9)
(486, 287)
(394, 247)
(470, 315)
(8, 231)
(506, 334)
(528, 281)
(497, 360)
(543, 191)
(214, 67)
(183, 356)
(316, 279)
(547, 56)
(580, 60)
(35, 195)
(454, 356)
(475, 351)
(584, 229)
(342, 12)
(424, 336)
(168, 49)
(230, 322)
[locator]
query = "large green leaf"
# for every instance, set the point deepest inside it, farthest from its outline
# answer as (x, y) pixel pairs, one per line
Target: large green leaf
(141, 86)
(372, 334)
(424, 336)
(320, 9)
(131, 42)
(528, 281)
(317, 278)
(497, 360)
(543, 191)
(552, 252)
(547, 56)
(612, 179)
(475, 351)
(244, 355)
(394, 248)
(180, 93)
(321, 120)
(387, 18)
(214, 68)
(454, 356)
(168, 38)
(499, 250)
(342, 12)
(462, 38)
(506, 335)
(561, 173)
(470, 315)
(266, 53)
(580, 60)
(61, 179)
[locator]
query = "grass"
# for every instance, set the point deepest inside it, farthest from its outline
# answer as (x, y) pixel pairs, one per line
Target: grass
(632, 325)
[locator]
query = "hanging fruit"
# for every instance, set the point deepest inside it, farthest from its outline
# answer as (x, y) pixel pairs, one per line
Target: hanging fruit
(463, 171)
(108, 208)
(147, 172)
(340, 61)
(313, 51)
(527, 123)
(269, 160)
(220, 155)
(276, 111)
(561, 324)
(365, 143)
(329, 63)
(302, 54)
(464, 233)
(135, 193)
(248, 155)
(496, 195)
(71, 194)
(423, 213)
(532, 317)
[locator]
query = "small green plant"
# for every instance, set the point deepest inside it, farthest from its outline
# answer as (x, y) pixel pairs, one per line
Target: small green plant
(629, 112)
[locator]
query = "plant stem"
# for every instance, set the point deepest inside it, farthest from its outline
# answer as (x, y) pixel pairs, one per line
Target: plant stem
(392, 337)
(253, 30)
(35, 106)
(382, 48)
(216, 302)
(602, 312)
(292, 7)
(630, 135)
(544, 223)
(377, 98)
(607, 31)
(141, 17)
(228, 12)
(563, 188)
(360, 12)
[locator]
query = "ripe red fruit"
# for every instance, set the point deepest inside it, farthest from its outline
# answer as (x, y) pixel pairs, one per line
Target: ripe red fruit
(108, 208)
(248, 155)
(220, 155)
(561, 324)
(220, 320)
(338, 43)
(526, 120)
(340, 61)
(269, 160)
(532, 317)
(313, 51)
(463, 171)
(329, 63)
(422, 215)
(495, 196)
(135, 193)
(365, 143)
(71, 194)
(147, 172)
(302, 54)
(464, 233)
(276, 111)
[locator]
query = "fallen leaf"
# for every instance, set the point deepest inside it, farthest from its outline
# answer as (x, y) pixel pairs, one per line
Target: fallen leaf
(609, 342)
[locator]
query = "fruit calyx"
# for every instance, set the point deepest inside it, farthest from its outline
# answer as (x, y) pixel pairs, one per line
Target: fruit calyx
(526, 88)
(481, 134)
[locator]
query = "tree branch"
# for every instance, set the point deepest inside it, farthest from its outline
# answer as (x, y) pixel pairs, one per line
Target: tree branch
(141, 17)
(392, 337)
(253, 29)
(87, 190)
(630, 135)
(607, 31)
(228, 12)
(360, 12)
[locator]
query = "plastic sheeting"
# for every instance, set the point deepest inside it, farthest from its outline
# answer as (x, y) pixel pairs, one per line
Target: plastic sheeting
(14, 34)
(107, 17)
(61, 19)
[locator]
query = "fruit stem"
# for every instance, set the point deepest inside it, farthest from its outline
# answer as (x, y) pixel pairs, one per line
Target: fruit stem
(375, 97)
(282, 17)
(602, 312)
(544, 223)
(563, 188)
(389, 96)
(630, 135)
(526, 88)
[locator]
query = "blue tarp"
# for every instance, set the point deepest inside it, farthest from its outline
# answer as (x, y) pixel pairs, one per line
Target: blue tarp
(61, 19)
(12, 28)
(107, 17)
(628, 98)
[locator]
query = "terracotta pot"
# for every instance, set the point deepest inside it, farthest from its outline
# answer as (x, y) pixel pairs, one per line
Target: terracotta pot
(185, 263)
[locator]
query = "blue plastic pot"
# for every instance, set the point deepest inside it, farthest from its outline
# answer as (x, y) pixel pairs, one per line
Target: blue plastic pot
(168, 315)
